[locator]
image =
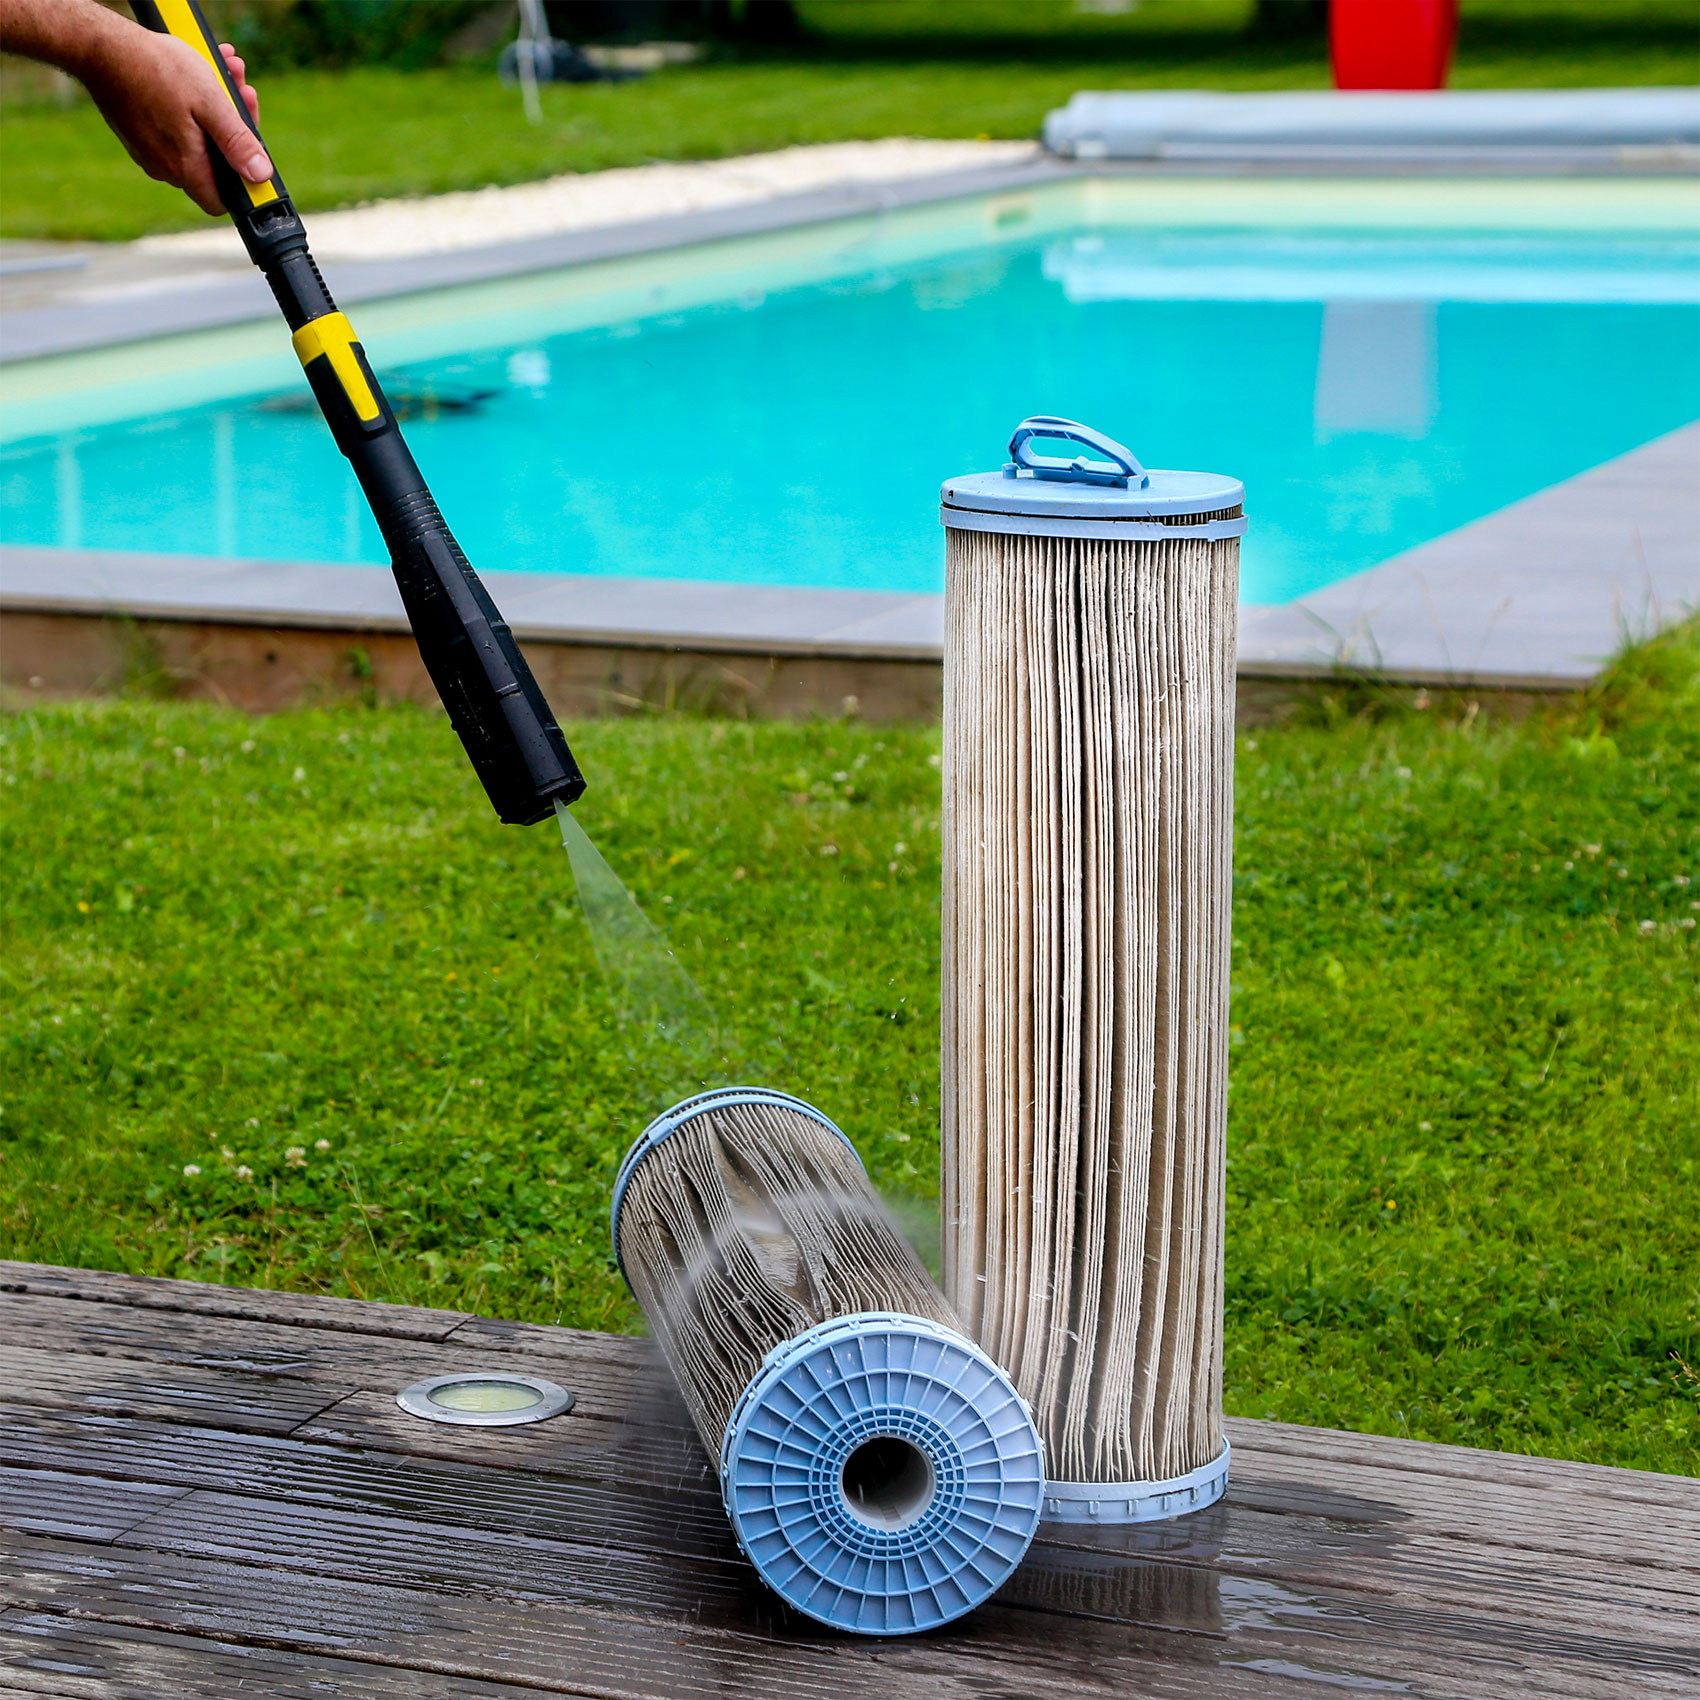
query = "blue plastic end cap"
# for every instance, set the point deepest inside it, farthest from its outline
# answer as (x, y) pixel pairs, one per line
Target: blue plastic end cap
(882, 1473)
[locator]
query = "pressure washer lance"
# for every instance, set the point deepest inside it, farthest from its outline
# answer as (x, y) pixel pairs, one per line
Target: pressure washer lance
(880, 1471)
(493, 701)
(1088, 881)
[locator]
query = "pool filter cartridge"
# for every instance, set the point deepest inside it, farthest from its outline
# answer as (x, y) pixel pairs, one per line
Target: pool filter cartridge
(1087, 841)
(878, 1468)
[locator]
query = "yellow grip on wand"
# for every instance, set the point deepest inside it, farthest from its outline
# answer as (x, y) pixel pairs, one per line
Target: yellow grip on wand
(333, 337)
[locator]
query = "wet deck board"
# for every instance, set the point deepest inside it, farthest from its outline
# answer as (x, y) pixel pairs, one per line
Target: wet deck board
(209, 1491)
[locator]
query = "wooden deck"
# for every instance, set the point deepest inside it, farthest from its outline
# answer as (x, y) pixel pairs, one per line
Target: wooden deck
(207, 1491)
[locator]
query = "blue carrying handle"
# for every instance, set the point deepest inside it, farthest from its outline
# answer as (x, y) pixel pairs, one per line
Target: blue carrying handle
(1119, 466)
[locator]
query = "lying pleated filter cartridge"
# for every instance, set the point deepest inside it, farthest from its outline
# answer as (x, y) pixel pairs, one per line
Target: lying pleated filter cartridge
(879, 1469)
(1088, 826)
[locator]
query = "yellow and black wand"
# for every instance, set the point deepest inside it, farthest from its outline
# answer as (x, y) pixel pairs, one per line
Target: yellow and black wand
(493, 701)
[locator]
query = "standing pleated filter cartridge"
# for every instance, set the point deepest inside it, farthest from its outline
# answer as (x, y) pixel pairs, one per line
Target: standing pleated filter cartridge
(1088, 828)
(879, 1469)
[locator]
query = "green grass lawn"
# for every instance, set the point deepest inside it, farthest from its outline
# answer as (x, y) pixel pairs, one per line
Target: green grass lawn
(283, 1005)
(877, 68)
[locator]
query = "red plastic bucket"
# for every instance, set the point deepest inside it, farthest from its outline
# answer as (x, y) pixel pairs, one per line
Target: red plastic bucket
(1391, 44)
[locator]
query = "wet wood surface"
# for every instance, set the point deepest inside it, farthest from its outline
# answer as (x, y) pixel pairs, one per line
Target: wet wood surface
(206, 1491)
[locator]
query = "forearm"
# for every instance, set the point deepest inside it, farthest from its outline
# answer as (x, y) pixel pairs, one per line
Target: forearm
(79, 36)
(159, 95)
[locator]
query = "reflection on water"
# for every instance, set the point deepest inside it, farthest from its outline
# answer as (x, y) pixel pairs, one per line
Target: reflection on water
(1195, 1582)
(1378, 369)
(1521, 268)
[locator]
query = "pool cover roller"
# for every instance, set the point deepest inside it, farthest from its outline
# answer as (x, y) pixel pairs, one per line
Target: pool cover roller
(492, 700)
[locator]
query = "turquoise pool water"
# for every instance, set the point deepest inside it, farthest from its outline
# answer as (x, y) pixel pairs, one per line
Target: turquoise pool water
(1373, 389)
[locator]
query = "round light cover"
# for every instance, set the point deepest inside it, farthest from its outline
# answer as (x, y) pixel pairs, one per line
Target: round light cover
(485, 1399)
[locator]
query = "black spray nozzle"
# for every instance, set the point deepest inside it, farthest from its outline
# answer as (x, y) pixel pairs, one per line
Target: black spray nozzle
(493, 701)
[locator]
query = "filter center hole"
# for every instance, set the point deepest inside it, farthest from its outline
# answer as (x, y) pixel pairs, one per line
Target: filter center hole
(887, 1482)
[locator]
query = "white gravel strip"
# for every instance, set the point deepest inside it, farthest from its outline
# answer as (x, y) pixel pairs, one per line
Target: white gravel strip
(480, 218)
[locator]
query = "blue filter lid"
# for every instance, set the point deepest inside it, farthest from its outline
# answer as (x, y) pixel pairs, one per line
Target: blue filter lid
(670, 1121)
(882, 1473)
(1104, 493)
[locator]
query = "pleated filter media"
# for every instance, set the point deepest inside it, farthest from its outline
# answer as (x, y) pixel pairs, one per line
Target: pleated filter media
(878, 1468)
(1088, 828)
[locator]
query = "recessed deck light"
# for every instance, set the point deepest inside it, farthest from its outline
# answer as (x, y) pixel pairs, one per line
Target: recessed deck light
(485, 1399)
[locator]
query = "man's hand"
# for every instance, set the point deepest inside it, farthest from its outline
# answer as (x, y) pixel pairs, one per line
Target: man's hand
(159, 95)
(164, 100)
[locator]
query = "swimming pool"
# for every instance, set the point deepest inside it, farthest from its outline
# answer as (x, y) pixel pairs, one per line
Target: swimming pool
(1379, 363)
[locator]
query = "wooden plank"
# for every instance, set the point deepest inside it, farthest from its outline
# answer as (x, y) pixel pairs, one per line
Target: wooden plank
(78, 1507)
(1484, 1517)
(994, 1654)
(1389, 1551)
(575, 1347)
(1519, 1526)
(584, 1350)
(608, 1383)
(412, 1552)
(618, 1378)
(141, 1388)
(550, 1645)
(606, 1361)
(1413, 1600)
(1338, 1559)
(608, 1513)
(68, 1659)
(658, 1446)
(1065, 1571)
(567, 1346)
(1510, 1515)
(200, 1298)
(1261, 1440)
(655, 1445)
(1558, 1592)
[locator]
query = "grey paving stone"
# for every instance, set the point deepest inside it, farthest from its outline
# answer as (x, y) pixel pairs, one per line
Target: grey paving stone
(559, 607)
